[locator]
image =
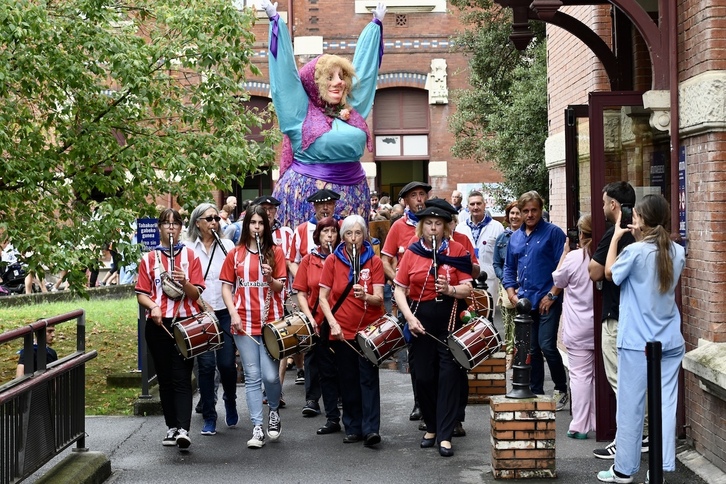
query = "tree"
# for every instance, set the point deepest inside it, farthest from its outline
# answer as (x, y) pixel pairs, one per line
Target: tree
(502, 119)
(107, 105)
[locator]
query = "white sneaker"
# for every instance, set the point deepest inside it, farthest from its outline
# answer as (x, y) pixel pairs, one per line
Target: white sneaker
(170, 439)
(647, 477)
(258, 438)
(610, 476)
(645, 444)
(561, 399)
(274, 425)
(182, 439)
(608, 452)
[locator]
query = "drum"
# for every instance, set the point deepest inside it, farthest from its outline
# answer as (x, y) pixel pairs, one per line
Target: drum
(381, 339)
(198, 334)
(288, 336)
(474, 342)
(480, 302)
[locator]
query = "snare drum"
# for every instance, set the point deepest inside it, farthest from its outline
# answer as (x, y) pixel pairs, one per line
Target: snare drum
(474, 342)
(288, 336)
(381, 339)
(198, 334)
(480, 302)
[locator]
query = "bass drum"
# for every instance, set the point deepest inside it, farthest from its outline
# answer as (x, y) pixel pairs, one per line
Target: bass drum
(474, 342)
(288, 336)
(381, 339)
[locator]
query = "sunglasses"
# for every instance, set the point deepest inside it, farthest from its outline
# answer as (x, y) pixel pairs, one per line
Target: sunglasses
(209, 219)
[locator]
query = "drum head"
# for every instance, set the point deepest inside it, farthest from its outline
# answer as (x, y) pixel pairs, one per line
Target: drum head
(271, 340)
(180, 336)
(459, 352)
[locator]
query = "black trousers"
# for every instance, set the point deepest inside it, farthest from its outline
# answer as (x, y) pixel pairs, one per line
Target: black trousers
(174, 374)
(438, 375)
(359, 388)
(321, 377)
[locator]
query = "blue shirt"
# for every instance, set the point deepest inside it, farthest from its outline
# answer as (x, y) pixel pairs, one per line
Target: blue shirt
(531, 260)
(645, 313)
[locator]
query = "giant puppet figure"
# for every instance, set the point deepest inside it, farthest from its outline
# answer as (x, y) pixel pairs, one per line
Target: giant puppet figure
(321, 111)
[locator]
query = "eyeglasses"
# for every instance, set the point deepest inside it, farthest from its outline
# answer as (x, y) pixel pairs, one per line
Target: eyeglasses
(170, 224)
(209, 219)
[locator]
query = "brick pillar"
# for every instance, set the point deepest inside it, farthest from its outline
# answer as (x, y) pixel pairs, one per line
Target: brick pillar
(523, 437)
(488, 378)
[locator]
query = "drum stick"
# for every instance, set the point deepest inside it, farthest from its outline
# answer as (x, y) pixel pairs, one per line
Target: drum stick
(437, 339)
(355, 349)
(436, 267)
(167, 331)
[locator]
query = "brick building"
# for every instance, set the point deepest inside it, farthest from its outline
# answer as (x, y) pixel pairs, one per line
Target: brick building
(419, 72)
(636, 93)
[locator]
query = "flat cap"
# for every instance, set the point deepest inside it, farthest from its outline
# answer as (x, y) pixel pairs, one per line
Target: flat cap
(442, 204)
(412, 185)
(266, 199)
(434, 212)
(323, 195)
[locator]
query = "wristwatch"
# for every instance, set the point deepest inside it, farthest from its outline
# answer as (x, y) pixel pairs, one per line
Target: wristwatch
(552, 297)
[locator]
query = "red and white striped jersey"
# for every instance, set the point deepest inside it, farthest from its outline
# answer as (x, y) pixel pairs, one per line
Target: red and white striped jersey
(149, 281)
(241, 270)
(283, 236)
(302, 242)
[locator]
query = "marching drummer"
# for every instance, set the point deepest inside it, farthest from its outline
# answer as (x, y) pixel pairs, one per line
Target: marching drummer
(351, 298)
(436, 271)
(321, 373)
(169, 285)
(253, 277)
(204, 238)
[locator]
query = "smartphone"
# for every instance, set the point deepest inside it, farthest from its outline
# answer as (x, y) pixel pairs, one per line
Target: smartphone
(626, 216)
(573, 235)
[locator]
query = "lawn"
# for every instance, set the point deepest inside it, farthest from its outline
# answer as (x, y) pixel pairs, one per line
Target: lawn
(111, 330)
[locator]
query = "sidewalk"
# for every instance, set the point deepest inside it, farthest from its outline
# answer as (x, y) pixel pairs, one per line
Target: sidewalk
(133, 444)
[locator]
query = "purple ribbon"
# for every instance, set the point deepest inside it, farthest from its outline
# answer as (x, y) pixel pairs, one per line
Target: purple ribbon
(349, 173)
(275, 32)
(380, 47)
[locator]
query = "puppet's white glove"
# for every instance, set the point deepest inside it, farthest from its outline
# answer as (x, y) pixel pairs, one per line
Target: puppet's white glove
(270, 8)
(380, 11)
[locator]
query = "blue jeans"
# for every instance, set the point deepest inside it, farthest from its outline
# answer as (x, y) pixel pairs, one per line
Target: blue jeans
(258, 367)
(544, 345)
(223, 359)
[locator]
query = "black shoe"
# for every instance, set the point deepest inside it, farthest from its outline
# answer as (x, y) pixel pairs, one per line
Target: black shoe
(351, 438)
(198, 408)
(372, 439)
(422, 426)
(459, 430)
(415, 413)
(428, 443)
(330, 427)
(444, 452)
(311, 409)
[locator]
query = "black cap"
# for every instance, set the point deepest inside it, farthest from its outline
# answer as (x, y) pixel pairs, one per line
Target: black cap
(414, 184)
(442, 204)
(434, 212)
(323, 195)
(266, 199)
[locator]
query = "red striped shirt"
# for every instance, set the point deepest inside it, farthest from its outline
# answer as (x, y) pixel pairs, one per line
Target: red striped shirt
(307, 281)
(241, 270)
(149, 281)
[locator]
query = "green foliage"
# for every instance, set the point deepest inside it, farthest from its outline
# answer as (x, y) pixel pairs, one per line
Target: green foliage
(502, 118)
(105, 105)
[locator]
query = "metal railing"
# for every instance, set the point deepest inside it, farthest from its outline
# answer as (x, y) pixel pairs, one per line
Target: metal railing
(43, 412)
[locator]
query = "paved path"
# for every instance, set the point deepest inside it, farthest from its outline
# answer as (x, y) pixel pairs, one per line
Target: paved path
(134, 446)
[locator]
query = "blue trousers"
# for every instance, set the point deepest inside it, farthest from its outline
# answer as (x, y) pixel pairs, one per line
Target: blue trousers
(223, 360)
(544, 345)
(632, 387)
(258, 367)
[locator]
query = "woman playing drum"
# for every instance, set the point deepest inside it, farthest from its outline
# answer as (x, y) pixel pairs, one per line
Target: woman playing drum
(436, 278)
(203, 237)
(321, 374)
(253, 276)
(354, 275)
(170, 269)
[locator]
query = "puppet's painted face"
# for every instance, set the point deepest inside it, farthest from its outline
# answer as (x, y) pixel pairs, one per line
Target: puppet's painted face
(336, 87)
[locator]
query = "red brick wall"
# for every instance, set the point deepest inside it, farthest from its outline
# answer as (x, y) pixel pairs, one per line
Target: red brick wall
(701, 41)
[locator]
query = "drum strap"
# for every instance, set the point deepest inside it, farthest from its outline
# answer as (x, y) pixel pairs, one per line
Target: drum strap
(341, 300)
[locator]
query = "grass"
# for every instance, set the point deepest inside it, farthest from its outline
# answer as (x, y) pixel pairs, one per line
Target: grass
(111, 330)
